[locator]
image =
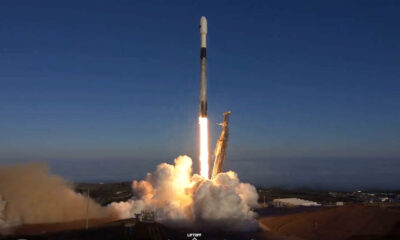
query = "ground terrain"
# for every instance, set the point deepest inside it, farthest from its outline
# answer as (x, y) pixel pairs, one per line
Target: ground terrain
(355, 220)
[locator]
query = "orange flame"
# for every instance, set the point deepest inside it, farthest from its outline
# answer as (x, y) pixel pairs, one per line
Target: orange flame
(203, 147)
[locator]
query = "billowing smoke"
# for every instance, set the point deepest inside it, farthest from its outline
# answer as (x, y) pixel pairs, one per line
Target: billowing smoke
(177, 196)
(30, 194)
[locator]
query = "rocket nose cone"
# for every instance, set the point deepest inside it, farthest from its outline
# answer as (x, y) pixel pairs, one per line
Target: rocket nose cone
(203, 25)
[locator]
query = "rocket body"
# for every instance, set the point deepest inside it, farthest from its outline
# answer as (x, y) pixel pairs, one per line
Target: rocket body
(203, 67)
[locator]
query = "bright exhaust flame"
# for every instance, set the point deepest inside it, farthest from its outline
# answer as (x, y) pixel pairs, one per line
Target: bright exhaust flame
(203, 121)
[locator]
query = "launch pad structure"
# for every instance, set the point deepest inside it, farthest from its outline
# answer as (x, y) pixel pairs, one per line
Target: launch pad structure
(221, 148)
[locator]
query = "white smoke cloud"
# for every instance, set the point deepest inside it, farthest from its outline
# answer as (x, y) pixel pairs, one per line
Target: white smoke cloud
(32, 195)
(29, 194)
(177, 196)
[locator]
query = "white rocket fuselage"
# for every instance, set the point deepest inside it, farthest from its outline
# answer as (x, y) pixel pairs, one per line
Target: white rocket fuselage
(203, 67)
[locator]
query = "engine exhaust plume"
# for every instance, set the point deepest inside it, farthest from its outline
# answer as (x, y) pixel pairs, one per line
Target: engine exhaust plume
(204, 165)
(221, 148)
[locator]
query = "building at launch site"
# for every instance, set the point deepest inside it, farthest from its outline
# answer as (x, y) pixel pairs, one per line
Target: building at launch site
(293, 202)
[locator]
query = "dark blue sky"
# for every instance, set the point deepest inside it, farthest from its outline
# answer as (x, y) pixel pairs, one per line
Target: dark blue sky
(106, 90)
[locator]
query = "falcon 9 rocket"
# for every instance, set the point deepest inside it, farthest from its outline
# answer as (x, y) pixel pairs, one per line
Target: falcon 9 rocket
(203, 67)
(203, 121)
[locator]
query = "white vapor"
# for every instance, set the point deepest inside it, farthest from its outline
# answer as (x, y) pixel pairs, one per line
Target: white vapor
(29, 194)
(178, 197)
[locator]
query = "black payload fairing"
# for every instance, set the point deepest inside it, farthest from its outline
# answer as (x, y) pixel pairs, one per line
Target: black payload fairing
(203, 67)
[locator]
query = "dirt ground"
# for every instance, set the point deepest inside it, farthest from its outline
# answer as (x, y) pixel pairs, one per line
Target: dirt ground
(353, 221)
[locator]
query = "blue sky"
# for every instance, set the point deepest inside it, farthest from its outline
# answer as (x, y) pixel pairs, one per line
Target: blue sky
(106, 90)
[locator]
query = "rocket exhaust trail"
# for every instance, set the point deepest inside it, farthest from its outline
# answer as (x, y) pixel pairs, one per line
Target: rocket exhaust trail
(203, 121)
